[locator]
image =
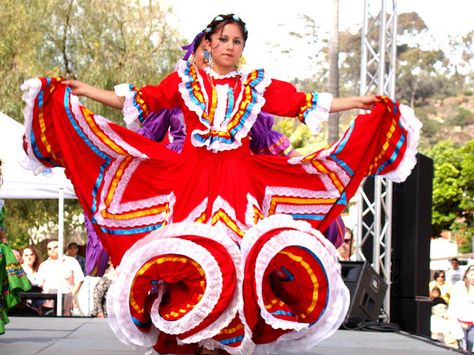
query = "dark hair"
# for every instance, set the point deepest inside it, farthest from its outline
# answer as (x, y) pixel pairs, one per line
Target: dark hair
(72, 244)
(197, 41)
(470, 268)
(438, 274)
(221, 20)
(37, 261)
(454, 259)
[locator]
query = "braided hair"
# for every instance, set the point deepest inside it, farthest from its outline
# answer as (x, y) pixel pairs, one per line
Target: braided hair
(220, 21)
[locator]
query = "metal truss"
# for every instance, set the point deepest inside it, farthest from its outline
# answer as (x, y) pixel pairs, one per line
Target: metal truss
(373, 232)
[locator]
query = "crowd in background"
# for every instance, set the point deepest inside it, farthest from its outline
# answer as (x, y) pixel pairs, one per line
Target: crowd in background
(65, 276)
(452, 297)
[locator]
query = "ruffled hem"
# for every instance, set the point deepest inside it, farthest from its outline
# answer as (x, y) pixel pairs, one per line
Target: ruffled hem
(30, 89)
(131, 115)
(413, 126)
(300, 234)
(164, 242)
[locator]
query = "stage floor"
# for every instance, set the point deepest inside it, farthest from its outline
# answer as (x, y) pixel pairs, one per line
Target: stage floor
(79, 336)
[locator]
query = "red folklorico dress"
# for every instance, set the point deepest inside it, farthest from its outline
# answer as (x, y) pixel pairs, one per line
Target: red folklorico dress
(217, 247)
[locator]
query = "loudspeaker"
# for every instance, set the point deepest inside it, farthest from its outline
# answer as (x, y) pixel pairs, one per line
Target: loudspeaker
(367, 290)
(411, 232)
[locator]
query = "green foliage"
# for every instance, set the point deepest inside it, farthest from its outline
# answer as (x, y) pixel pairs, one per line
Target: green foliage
(411, 23)
(23, 215)
(463, 117)
(102, 43)
(453, 187)
(298, 134)
(463, 234)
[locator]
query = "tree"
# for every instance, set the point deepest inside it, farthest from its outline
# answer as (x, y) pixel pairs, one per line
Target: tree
(453, 190)
(418, 78)
(100, 42)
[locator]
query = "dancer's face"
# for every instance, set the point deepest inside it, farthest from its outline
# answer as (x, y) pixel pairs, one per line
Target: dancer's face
(226, 47)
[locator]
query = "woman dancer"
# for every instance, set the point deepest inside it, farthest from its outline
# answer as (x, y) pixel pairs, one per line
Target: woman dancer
(216, 245)
(158, 126)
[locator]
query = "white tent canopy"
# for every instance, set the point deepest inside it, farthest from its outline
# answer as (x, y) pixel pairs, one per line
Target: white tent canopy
(19, 183)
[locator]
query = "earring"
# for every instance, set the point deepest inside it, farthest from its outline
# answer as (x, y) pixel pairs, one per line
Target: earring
(206, 55)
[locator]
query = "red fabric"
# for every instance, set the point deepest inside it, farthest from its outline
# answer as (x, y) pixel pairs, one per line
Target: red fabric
(130, 186)
(196, 174)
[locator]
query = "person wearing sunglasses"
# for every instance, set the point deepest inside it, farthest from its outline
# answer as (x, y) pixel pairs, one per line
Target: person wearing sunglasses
(439, 280)
(63, 275)
(345, 250)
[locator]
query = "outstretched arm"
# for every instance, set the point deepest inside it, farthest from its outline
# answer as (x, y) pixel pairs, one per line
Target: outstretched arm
(105, 97)
(348, 103)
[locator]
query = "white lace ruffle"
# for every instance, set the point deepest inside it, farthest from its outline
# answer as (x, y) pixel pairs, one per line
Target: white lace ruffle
(413, 126)
(320, 114)
(130, 112)
(167, 241)
(298, 233)
(214, 75)
(213, 233)
(181, 67)
(270, 223)
(198, 108)
(31, 89)
(272, 191)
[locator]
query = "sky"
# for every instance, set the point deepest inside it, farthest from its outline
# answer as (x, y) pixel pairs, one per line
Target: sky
(269, 22)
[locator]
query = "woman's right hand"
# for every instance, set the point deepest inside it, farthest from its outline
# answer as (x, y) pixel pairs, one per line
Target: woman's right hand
(105, 97)
(77, 87)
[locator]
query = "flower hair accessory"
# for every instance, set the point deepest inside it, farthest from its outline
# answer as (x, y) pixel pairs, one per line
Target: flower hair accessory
(220, 18)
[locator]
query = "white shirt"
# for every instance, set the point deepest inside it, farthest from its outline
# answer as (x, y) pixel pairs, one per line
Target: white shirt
(454, 276)
(57, 275)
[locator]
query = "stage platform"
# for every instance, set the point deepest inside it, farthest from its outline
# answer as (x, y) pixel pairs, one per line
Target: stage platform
(79, 336)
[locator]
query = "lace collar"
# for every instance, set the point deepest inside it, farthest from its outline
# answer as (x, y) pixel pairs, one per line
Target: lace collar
(215, 75)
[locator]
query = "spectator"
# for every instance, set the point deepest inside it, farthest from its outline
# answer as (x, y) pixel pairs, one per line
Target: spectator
(461, 308)
(345, 250)
(454, 273)
(439, 280)
(100, 292)
(436, 297)
(64, 275)
(72, 251)
(31, 263)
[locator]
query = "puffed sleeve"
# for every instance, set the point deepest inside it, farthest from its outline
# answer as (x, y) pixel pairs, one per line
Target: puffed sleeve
(264, 140)
(282, 98)
(150, 98)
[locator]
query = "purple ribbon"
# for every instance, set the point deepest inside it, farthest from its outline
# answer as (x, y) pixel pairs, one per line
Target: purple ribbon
(189, 48)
